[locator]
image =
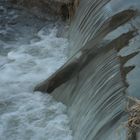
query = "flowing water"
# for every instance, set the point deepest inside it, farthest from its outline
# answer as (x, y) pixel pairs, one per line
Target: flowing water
(30, 50)
(95, 94)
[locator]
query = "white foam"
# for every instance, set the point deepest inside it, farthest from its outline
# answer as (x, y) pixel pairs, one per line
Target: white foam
(25, 115)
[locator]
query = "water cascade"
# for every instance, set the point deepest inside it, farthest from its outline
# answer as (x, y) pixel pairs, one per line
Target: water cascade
(102, 70)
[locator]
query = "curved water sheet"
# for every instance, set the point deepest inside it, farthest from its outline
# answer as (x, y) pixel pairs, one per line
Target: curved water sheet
(133, 77)
(30, 51)
(95, 91)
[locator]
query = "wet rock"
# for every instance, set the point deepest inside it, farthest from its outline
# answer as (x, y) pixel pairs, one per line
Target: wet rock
(63, 8)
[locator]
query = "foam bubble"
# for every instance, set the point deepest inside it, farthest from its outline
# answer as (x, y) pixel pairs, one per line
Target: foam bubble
(25, 115)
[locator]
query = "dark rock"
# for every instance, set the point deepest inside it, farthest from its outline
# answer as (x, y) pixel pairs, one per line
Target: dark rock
(63, 8)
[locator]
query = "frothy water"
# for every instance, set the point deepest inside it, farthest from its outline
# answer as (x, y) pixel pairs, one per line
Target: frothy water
(25, 115)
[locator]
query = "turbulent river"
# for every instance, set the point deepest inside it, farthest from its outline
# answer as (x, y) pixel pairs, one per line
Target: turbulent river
(30, 51)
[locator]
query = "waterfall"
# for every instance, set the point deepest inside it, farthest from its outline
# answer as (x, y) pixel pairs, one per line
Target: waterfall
(95, 82)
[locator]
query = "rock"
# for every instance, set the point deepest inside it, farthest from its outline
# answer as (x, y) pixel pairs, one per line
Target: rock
(63, 8)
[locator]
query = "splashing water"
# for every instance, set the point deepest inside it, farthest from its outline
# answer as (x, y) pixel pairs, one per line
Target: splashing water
(25, 115)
